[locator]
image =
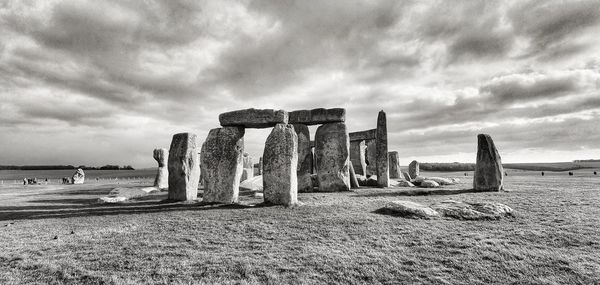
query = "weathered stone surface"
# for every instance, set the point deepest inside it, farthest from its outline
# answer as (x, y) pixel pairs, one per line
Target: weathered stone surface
(247, 173)
(332, 154)
(357, 156)
(429, 184)
(305, 158)
(413, 169)
(254, 118)
(161, 155)
(404, 183)
(370, 157)
(472, 211)
(412, 209)
(247, 161)
(78, 177)
(353, 180)
(317, 116)
(406, 176)
(280, 183)
(184, 167)
(315, 180)
(489, 173)
(371, 181)
(260, 166)
(253, 184)
(363, 135)
(362, 180)
(222, 164)
(382, 151)
(248, 167)
(438, 180)
(394, 165)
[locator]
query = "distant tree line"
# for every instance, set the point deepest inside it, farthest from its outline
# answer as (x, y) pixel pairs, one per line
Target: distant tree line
(454, 166)
(59, 167)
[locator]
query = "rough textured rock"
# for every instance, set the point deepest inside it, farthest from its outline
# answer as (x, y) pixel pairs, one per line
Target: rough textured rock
(413, 169)
(78, 176)
(248, 167)
(305, 158)
(222, 164)
(122, 194)
(353, 180)
(394, 165)
(439, 180)
(401, 183)
(315, 180)
(280, 162)
(184, 167)
(412, 209)
(161, 155)
(429, 184)
(371, 181)
(455, 180)
(370, 157)
(332, 154)
(406, 176)
(363, 135)
(357, 157)
(253, 184)
(362, 180)
(247, 173)
(247, 161)
(489, 173)
(317, 116)
(472, 211)
(254, 118)
(382, 151)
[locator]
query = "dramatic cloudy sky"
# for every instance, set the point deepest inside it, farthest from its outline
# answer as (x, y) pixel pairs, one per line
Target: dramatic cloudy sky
(97, 82)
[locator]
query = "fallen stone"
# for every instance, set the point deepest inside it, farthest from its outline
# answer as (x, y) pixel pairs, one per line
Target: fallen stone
(429, 184)
(253, 184)
(404, 183)
(184, 168)
(254, 118)
(413, 169)
(489, 173)
(382, 162)
(412, 209)
(112, 199)
(280, 162)
(455, 180)
(332, 155)
(440, 180)
(161, 155)
(305, 158)
(122, 194)
(406, 176)
(472, 211)
(363, 135)
(317, 116)
(78, 176)
(394, 165)
(353, 180)
(222, 164)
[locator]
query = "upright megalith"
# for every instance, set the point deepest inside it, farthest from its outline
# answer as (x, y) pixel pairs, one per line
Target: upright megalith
(332, 155)
(184, 169)
(382, 151)
(254, 118)
(394, 164)
(280, 162)
(489, 173)
(305, 158)
(317, 116)
(248, 167)
(357, 156)
(78, 176)
(353, 179)
(222, 164)
(371, 157)
(413, 169)
(161, 155)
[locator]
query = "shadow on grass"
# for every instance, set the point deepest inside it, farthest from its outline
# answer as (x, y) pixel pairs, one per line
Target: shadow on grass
(419, 192)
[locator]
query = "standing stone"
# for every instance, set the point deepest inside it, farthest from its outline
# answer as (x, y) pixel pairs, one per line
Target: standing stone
(78, 176)
(280, 183)
(260, 166)
(357, 156)
(370, 157)
(184, 170)
(382, 151)
(222, 164)
(248, 167)
(161, 155)
(489, 173)
(413, 169)
(353, 179)
(305, 158)
(394, 165)
(332, 153)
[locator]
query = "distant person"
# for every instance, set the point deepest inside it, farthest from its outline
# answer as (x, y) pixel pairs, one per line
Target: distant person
(570, 173)
(505, 173)
(595, 173)
(465, 174)
(542, 173)
(24, 181)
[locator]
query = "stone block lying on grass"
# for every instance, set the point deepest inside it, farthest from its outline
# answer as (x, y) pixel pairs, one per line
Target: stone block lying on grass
(401, 183)
(450, 209)
(429, 184)
(411, 209)
(122, 194)
(252, 184)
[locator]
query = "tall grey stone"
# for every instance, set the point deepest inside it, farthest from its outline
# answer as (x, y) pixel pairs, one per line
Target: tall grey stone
(305, 158)
(394, 164)
(254, 118)
(332, 154)
(413, 169)
(184, 170)
(161, 155)
(248, 167)
(222, 164)
(382, 151)
(353, 179)
(489, 173)
(78, 177)
(370, 157)
(280, 162)
(357, 156)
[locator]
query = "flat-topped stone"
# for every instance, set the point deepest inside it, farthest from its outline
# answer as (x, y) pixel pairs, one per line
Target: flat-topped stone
(254, 118)
(184, 167)
(363, 135)
(317, 116)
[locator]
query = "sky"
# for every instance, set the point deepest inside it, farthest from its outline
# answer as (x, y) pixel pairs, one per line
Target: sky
(106, 82)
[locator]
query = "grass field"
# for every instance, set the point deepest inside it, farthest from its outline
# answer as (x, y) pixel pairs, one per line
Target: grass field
(340, 238)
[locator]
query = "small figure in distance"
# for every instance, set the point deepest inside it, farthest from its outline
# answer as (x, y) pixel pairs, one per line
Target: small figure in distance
(570, 173)
(465, 174)
(505, 173)
(24, 181)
